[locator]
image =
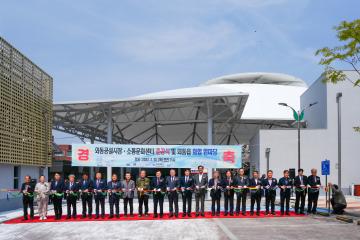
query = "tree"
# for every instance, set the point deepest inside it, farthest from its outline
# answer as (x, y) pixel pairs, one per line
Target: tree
(348, 33)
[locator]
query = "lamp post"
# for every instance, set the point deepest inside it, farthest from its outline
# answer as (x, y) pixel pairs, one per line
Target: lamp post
(298, 116)
(338, 101)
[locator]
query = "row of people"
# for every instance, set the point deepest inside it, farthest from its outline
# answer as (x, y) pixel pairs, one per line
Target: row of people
(197, 184)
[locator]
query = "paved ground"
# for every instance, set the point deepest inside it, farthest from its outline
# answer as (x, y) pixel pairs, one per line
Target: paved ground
(310, 227)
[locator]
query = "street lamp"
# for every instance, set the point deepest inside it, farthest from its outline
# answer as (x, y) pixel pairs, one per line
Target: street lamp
(298, 116)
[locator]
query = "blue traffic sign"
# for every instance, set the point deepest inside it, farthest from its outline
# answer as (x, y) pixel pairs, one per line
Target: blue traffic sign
(325, 167)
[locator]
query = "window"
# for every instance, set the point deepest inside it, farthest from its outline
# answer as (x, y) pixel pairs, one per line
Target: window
(16, 177)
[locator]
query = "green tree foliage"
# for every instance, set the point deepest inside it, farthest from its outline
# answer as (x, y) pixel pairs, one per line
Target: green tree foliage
(348, 33)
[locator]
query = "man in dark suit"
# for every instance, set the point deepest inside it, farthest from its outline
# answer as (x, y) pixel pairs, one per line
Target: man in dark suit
(114, 187)
(241, 181)
(159, 188)
(71, 190)
(57, 189)
(228, 185)
(27, 190)
(255, 193)
(300, 184)
(285, 184)
(215, 184)
(270, 185)
(172, 187)
(100, 188)
(200, 183)
(187, 187)
(314, 187)
(86, 186)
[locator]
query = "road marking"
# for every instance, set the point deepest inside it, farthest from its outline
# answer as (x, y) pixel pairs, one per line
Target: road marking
(228, 233)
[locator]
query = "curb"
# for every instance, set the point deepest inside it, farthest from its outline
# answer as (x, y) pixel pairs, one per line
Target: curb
(345, 219)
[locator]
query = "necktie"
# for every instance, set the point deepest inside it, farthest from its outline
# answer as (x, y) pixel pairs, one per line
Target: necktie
(157, 181)
(215, 183)
(186, 179)
(301, 180)
(55, 183)
(97, 183)
(71, 185)
(172, 179)
(255, 181)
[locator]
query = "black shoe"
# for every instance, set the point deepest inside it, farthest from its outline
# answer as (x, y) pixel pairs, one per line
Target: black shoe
(203, 214)
(25, 219)
(302, 213)
(68, 217)
(218, 214)
(237, 214)
(171, 215)
(197, 214)
(155, 215)
(111, 216)
(231, 214)
(161, 215)
(251, 214)
(125, 215)
(146, 215)
(83, 216)
(287, 213)
(273, 213)
(257, 214)
(97, 217)
(117, 215)
(183, 215)
(102, 216)
(225, 214)
(282, 213)
(266, 213)
(244, 214)
(176, 215)
(189, 215)
(213, 214)
(140, 215)
(31, 217)
(90, 216)
(313, 212)
(131, 215)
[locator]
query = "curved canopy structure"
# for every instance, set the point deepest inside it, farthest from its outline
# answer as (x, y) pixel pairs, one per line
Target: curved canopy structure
(232, 107)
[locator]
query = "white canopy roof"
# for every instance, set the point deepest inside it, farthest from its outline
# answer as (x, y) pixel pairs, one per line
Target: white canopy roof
(241, 103)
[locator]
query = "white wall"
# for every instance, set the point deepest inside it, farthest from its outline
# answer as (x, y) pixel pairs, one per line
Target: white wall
(317, 144)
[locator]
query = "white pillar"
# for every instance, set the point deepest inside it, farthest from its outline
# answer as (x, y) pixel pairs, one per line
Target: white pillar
(210, 125)
(91, 173)
(109, 140)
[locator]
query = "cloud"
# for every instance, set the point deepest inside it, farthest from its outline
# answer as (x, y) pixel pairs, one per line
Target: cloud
(171, 43)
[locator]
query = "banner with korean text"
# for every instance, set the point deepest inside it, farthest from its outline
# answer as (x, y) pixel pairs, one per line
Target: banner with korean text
(156, 156)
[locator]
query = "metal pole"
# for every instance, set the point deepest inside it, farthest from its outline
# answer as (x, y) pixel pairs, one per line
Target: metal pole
(92, 170)
(298, 127)
(338, 100)
(326, 193)
(210, 125)
(267, 152)
(109, 140)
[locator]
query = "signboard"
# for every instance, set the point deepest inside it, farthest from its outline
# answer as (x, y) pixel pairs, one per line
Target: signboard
(156, 156)
(325, 167)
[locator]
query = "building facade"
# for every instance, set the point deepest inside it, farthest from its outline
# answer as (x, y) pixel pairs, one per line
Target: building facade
(26, 98)
(277, 149)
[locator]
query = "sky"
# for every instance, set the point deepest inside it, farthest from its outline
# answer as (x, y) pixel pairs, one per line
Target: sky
(116, 49)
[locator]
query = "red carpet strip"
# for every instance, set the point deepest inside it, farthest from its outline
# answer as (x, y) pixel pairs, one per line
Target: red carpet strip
(150, 217)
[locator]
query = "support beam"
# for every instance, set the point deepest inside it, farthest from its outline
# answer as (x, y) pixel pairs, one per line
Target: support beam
(210, 125)
(109, 140)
